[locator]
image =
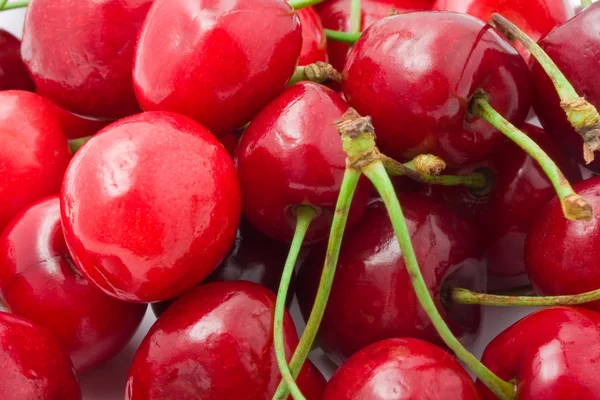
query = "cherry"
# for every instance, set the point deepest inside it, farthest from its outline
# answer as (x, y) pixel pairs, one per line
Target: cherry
(372, 298)
(34, 366)
(230, 141)
(314, 42)
(13, 74)
(87, 69)
(551, 355)
(401, 369)
(34, 153)
(150, 206)
(38, 281)
(76, 126)
(291, 155)
(401, 73)
(216, 342)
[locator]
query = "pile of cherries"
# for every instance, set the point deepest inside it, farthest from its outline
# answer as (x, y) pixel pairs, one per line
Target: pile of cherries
(371, 157)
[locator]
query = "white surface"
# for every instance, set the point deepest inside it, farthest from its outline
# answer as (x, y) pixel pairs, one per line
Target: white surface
(108, 382)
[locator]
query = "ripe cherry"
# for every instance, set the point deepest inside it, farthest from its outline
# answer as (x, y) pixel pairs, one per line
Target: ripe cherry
(150, 206)
(13, 74)
(314, 42)
(75, 126)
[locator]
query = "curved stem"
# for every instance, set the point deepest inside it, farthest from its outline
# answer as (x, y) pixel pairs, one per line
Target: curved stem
(300, 4)
(465, 296)
(574, 206)
(15, 4)
(319, 72)
(355, 16)
(304, 215)
(345, 37)
(2, 4)
(75, 144)
(586, 3)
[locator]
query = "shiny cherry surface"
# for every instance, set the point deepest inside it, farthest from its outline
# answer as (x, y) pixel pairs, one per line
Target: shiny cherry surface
(34, 153)
(13, 74)
(87, 67)
(314, 42)
(38, 281)
(402, 74)
(150, 206)
(216, 342)
(34, 366)
(372, 297)
(401, 369)
(221, 61)
(551, 354)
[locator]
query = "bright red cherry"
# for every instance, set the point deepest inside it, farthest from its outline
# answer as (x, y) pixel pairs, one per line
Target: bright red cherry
(551, 354)
(401, 369)
(38, 281)
(402, 74)
(221, 61)
(314, 42)
(34, 365)
(13, 74)
(216, 343)
(372, 297)
(34, 152)
(150, 206)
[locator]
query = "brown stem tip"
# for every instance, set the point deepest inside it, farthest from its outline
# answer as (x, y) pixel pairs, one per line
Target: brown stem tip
(576, 208)
(586, 122)
(352, 124)
(322, 72)
(429, 164)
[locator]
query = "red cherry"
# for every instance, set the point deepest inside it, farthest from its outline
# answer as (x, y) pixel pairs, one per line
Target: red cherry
(402, 74)
(34, 365)
(551, 354)
(230, 141)
(13, 74)
(220, 63)
(314, 42)
(150, 206)
(575, 48)
(39, 282)
(290, 155)
(401, 369)
(372, 297)
(75, 126)
(216, 342)
(34, 153)
(86, 68)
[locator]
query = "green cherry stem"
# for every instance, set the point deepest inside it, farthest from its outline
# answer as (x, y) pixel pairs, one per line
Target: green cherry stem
(75, 144)
(304, 215)
(355, 15)
(574, 206)
(319, 72)
(2, 4)
(13, 5)
(300, 4)
(586, 3)
(465, 296)
(345, 37)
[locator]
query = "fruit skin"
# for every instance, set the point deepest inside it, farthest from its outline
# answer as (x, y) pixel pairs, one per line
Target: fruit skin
(421, 106)
(291, 154)
(75, 126)
(575, 48)
(216, 342)
(223, 61)
(13, 74)
(314, 42)
(87, 69)
(150, 206)
(401, 369)
(34, 152)
(371, 267)
(34, 366)
(552, 354)
(39, 282)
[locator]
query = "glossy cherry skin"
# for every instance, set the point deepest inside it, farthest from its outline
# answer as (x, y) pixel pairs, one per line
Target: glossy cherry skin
(216, 342)
(372, 297)
(39, 282)
(291, 154)
(150, 206)
(552, 354)
(575, 48)
(223, 61)
(401, 369)
(34, 152)
(34, 365)
(561, 255)
(13, 74)
(314, 42)
(87, 69)
(401, 73)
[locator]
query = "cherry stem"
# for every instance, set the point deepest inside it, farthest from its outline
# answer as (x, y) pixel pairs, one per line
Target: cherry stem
(574, 206)
(304, 215)
(319, 72)
(2, 4)
(465, 296)
(345, 37)
(582, 115)
(355, 16)
(75, 144)
(300, 4)
(586, 3)
(13, 5)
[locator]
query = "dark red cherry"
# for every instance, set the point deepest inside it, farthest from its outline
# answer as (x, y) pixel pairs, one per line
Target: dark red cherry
(221, 61)
(34, 152)
(34, 365)
(13, 74)
(216, 342)
(401, 369)
(38, 281)
(290, 155)
(402, 74)
(87, 67)
(551, 354)
(314, 42)
(150, 206)
(372, 297)
(230, 141)
(575, 48)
